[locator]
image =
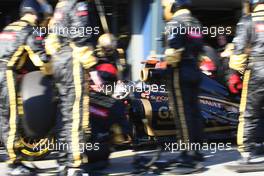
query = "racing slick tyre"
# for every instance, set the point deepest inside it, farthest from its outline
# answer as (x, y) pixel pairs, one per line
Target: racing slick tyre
(38, 119)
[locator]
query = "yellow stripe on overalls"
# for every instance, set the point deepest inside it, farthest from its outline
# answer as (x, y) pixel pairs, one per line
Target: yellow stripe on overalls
(86, 114)
(34, 57)
(13, 115)
(13, 105)
(242, 109)
(15, 57)
(86, 106)
(76, 113)
(184, 127)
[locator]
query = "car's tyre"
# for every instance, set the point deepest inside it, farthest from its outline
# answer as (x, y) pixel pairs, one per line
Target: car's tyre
(39, 107)
(39, 116)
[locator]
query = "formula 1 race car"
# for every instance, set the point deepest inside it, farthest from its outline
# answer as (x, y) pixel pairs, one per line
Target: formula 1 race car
(150, 113)
(147, 112)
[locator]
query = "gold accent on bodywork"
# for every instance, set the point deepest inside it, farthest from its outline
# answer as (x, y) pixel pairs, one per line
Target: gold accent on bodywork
(148, 120)
(144, 74)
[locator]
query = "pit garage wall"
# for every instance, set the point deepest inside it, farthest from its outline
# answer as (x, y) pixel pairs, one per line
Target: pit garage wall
(147, 26)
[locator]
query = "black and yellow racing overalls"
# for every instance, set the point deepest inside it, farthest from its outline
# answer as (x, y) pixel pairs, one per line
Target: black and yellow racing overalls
(20, 45)
(185, 43)
(250, 34)
(70, 43)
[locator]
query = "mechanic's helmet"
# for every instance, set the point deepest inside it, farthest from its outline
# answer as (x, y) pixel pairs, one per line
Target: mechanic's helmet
(108, 43)
(171, 6)
(48, 12)
(40, 8)
(247, 7)
(47, 8)
(255, 2)
(180, 4)
(167, 14)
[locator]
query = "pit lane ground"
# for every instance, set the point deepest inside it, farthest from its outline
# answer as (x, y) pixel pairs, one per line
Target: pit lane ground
(121, 163)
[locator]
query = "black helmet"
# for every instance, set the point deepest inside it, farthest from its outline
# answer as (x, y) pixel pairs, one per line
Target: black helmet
(180, 3)
(36, 7)
(255, 2)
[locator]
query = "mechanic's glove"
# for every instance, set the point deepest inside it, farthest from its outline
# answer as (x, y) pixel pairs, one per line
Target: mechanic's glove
(52, 44)
(238, 62)
(235, 83)
(173, 56)
(229, 50)
(46, 68)
(85, 56)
